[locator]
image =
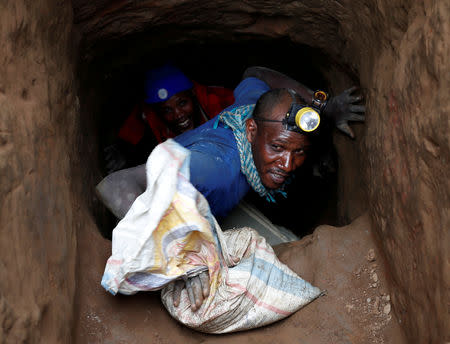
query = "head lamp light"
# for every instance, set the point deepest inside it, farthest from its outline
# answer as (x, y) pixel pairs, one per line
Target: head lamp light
(305, 119)
(301, 118)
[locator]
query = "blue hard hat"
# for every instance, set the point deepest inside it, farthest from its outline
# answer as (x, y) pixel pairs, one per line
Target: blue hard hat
(163, 82)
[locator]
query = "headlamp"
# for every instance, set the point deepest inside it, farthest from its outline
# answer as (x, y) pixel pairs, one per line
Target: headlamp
(301, 118)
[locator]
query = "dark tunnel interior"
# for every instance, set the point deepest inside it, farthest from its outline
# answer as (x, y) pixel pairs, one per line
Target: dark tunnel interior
(117, 71)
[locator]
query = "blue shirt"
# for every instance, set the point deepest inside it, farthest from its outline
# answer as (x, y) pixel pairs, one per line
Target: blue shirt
(215, 166)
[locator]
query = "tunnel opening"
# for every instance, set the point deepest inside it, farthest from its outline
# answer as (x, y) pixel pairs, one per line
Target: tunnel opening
(119, 87)
(111, 83)
(397, 169)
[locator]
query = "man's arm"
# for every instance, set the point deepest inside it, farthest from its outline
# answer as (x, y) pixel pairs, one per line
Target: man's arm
(119, 190)
(340, 109)
(278, 80)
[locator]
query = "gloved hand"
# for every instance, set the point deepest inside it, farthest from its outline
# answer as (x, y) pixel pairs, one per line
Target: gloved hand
(115, 158)
(197, 288)
(342, 108)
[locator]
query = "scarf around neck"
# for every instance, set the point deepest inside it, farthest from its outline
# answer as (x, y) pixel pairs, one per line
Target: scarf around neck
(235, 119)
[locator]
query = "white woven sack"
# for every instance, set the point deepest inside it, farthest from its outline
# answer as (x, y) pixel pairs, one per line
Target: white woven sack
(256, 290)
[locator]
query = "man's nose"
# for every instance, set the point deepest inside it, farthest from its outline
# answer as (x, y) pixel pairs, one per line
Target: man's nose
(179, 112)
(286, 163)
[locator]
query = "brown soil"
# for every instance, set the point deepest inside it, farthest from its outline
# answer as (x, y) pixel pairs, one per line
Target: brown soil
(356, 308)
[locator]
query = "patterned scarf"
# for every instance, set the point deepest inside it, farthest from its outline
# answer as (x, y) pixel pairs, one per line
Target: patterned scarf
(235, 119)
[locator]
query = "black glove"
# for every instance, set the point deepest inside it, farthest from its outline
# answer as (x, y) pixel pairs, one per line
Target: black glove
(114, 158)
(342, 108)
(197, 288)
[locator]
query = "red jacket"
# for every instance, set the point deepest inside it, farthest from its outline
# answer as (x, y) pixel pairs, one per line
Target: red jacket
(212, 99)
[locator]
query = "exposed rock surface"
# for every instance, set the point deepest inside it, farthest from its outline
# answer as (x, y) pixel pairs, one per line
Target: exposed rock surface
(38, 130)
(408, 152)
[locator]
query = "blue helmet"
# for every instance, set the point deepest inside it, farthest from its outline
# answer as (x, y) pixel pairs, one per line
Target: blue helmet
(163, 82)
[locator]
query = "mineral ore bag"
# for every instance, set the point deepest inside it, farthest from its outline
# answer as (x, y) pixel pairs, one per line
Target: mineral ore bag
(170, 233)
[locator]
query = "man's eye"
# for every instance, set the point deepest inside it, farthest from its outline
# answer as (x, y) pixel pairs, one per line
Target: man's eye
(182, 102)
(300, 152)
(166, 110)
(276, 148)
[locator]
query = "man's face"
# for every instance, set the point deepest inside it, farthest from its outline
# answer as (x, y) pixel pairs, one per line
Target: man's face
(276, 152)
(178, 112)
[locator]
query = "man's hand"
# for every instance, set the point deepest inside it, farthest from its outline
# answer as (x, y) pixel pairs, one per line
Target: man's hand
(342, 109)
(197, 289)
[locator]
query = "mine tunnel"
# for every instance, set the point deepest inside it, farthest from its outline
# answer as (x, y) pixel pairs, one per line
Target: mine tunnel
(69, 69)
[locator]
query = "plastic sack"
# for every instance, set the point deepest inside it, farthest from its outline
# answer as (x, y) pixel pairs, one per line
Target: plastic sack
(170, 233)
(256, 291)
(167, 231)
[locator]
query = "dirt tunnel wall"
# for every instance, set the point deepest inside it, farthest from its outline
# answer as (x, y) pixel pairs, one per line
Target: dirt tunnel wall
(47, 139)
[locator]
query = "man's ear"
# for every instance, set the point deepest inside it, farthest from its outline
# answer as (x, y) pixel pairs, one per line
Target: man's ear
(251, 129)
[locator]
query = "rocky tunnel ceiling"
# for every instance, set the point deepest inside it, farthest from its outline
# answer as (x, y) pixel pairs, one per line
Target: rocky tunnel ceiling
(326, 25)
(198, 20)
